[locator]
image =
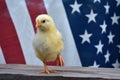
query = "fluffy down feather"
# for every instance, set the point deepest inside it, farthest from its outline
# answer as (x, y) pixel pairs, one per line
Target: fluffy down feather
(47, 42)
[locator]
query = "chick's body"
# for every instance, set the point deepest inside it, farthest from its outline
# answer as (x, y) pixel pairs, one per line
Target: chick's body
(48, 45)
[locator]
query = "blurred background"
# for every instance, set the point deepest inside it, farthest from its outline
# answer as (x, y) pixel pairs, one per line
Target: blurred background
(90, 29)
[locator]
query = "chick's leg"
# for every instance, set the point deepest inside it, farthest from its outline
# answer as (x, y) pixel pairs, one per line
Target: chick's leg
(46, 70)
(60, 60)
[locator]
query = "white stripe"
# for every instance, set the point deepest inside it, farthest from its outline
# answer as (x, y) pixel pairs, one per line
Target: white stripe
(2, 59)
(23, 25)
(55, 9)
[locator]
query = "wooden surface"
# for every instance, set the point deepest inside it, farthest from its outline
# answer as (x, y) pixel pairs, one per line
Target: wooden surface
(27, 72)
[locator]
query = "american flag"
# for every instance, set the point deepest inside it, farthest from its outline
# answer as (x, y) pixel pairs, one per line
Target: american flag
(95, 25)
(90, 29)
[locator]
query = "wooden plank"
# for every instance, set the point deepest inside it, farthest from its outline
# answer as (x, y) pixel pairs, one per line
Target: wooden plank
(28, 72)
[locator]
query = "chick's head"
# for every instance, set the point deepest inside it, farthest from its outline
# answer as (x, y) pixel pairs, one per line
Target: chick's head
(44, 22)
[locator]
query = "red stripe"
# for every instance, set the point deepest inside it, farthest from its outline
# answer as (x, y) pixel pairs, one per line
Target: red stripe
(36, 7)
(9, 42)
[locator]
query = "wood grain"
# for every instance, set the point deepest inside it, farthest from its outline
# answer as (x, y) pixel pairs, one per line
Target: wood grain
(28, 72)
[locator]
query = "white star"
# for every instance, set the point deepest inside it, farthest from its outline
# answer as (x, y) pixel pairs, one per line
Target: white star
(118, 2)
(99, 47)
(97, 1)
(107, 8)
(94, 65)
(116, 64)
(115, 19)
(91, 16)
(110, 37)
(107, 57)
(103, 26)
(85, 37)
(119, 48)
(75, 7)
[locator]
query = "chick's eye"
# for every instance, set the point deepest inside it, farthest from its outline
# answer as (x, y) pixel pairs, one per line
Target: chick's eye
(43, 21)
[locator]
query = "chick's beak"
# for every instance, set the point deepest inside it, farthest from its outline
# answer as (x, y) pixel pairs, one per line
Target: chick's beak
(37, 24)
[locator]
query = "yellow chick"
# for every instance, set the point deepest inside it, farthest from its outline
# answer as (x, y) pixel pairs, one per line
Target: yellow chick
(47, 42)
